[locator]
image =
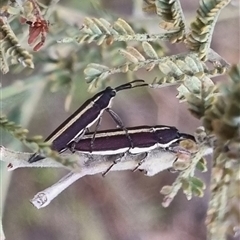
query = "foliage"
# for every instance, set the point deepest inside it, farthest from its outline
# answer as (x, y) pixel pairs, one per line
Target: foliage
(36, 143)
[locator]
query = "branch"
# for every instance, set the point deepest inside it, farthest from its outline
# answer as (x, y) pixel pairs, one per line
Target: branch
(191, 185)
(173, 69)
(87, 164)
(20, 160)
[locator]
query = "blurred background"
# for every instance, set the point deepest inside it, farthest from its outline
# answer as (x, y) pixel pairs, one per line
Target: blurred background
(122, 205)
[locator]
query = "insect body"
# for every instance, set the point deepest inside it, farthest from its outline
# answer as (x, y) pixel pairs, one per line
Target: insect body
(84, 117)
(144, 139)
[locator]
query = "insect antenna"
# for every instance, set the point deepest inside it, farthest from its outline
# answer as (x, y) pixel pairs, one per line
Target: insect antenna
(131, 85)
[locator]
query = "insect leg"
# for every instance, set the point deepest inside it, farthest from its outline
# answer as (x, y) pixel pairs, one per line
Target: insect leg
(95, 131)
(119, 122)
(35, 157)
(71, 145)
(140, 162)
(113, 163)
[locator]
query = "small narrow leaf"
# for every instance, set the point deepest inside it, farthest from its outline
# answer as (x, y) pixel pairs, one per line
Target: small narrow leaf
(103, 75)
(185, 184)
(95, 69)
(183, 92)
(101, 39)
(183, 66)
(125, 26)
(192, 64)
(174, 68)
(124, 68)
(164, 68)
(202, 165)
(92, 25)
(82, 39)
(135, 53)
(119, 28)
(166, 190)
(197, 191)
(149, 67)
(149, 50)
(197, 182)
(103, 28)
(133, 67)
(92, 38)
(193, 84)
(98, 66)
(3, 63)
(128, 56)
(107, 25)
